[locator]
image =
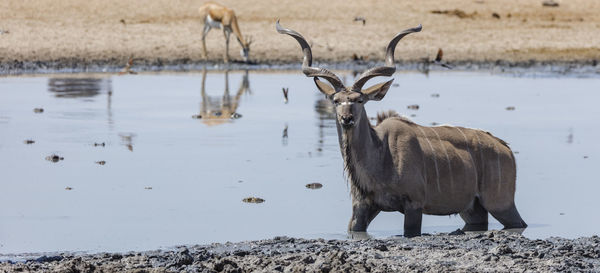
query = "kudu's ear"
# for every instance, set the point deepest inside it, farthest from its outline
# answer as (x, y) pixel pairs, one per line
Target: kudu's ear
(324, 88)
(378, 91)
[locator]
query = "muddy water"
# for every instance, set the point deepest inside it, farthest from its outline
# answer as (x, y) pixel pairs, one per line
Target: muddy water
(181, 153)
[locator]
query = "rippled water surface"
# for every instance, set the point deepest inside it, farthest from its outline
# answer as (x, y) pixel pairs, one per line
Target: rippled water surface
(170, 178)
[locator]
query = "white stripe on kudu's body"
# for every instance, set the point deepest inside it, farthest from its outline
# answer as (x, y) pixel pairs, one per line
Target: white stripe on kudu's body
(387, 165)
(437, 170)
(470, 155)
(447, 158)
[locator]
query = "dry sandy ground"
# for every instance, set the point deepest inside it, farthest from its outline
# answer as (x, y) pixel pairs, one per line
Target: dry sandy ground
(110, 31)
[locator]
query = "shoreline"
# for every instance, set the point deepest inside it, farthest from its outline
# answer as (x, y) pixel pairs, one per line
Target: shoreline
(497, 251)
(590, 68)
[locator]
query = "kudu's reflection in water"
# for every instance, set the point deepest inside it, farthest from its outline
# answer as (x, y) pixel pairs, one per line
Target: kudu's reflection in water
(216, 110)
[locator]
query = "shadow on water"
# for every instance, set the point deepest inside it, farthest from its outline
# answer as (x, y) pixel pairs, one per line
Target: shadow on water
(217, 110)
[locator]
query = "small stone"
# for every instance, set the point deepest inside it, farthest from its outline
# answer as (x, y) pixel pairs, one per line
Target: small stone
(38, 110)
(550, 3)
(99, 144)
(308, 260)
(147, 188)
(381, 247)
(314, 186)
(435, 95)
(501, 250)
(236, 115)
(101, 162)
(68, 188)
(457, 232)
(255, 200)
(28, 141)
(240, 253)
(54, 158)
(49, 259)
(183, 258)
(510, 108)
(413, 107)
(197, 116)
(541, 255)
(496, 15)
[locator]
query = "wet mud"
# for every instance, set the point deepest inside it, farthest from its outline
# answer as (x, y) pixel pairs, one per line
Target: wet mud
(496, 251)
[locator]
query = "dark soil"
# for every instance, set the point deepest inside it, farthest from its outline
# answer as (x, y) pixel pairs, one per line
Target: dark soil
(493, 251)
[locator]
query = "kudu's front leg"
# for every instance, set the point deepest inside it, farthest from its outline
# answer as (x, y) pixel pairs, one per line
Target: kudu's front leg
(362, 215)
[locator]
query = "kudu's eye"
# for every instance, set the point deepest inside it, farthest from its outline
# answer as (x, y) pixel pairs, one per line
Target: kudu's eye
(336, 101)
(360, 100)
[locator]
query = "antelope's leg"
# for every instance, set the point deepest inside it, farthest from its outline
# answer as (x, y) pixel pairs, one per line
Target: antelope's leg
(227, 34)
(476, 217)
(204, 32)
(509, 217)
(412, 221)
(362, 215)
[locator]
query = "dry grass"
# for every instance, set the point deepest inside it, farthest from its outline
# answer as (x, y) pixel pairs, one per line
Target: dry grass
(46, 30)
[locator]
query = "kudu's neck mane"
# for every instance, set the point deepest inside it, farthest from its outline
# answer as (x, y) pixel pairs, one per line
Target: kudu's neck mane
(358, 146)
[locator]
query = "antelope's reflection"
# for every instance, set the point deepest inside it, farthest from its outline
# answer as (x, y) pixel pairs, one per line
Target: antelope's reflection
(216, 110)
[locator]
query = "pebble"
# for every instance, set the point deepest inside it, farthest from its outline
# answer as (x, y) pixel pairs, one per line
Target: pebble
(255, 200)
(314, 186)
(54, 158)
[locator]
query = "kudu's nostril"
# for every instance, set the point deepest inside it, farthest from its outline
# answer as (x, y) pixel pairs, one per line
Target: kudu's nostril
(347, 119)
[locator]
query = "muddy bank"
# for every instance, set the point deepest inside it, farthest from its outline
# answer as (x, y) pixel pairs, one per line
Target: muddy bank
(589, 68)
(495, 251)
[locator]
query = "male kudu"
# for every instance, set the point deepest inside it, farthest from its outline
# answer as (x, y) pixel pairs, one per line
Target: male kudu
(401, 166)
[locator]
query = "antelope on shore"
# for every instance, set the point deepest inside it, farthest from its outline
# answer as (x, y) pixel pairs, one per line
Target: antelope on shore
(218, 16)
(398, 165)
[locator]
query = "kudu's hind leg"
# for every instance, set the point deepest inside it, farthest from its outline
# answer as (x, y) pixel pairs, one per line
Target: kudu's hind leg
(509, 217)
(476, 217)
(362, 215)
(412, 222)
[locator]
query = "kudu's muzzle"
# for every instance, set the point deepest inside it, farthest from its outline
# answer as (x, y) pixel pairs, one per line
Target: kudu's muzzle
(345, 116)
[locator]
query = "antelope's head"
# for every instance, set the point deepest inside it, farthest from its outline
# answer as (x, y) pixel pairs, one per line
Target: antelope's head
(245, 51)
(349, 101)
